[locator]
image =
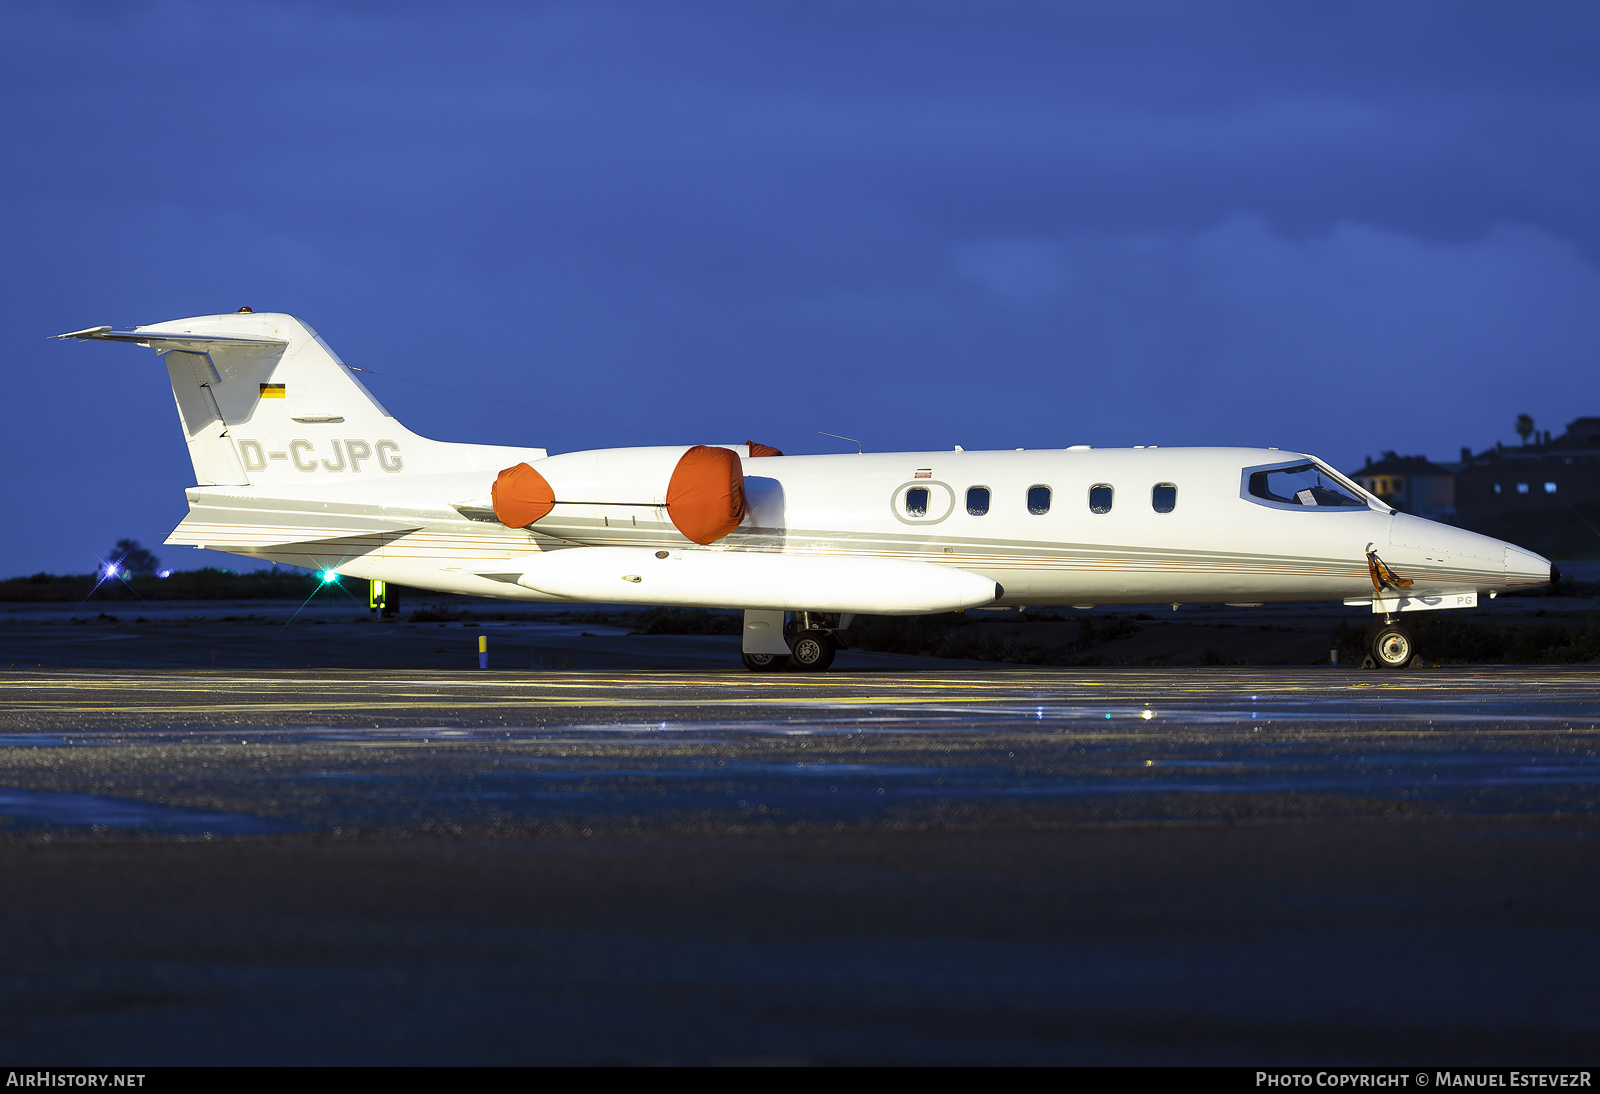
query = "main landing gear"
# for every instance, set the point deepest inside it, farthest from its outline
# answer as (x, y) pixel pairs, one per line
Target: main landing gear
(812, 651)
(764, 662)
(812, 644)
(1390, 646)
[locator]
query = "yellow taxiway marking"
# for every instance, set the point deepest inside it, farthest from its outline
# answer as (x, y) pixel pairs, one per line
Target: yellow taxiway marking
(42, 697)
(988, 682)
(475, 704)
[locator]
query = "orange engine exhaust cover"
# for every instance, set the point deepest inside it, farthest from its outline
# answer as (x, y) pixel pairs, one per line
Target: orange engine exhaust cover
(705, 497)
(521, 496)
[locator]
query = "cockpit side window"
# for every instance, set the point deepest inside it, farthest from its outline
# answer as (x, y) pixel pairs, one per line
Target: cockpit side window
(1304, 485)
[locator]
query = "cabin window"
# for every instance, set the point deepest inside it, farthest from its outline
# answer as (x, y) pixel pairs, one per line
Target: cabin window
(1302, 484)
(977, 500)
(1100, 498)
(917, 501)
(1163, 497)
(1496, 488)
(1549, 488)
(1522, 488)
(1038, 500)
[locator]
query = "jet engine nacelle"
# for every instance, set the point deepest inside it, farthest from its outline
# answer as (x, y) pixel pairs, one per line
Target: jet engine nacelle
(751, 580)
(700, 488)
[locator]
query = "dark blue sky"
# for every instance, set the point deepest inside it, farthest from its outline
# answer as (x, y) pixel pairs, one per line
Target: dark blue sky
(1338, 228)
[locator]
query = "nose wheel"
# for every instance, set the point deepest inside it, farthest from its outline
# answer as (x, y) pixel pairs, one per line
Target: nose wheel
(1392, 647)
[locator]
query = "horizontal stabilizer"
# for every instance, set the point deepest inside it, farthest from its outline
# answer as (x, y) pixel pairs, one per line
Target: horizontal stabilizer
(226, 527)
(168, 340)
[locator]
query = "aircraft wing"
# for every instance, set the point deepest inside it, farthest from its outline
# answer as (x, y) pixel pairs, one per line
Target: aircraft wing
(165, 340)
(752, 580)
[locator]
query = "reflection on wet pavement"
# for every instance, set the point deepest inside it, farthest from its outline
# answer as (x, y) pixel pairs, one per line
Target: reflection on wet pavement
(1102, 867)
(810, 768)
(47, 807)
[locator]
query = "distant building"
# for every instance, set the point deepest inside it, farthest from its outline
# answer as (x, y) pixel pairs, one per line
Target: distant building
(1412, 484)
(1544, 496)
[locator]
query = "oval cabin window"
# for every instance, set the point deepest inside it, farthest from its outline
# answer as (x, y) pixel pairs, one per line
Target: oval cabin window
(1038, 500)
(1100, 498)
(1163, 497)
(917, 501)
(977, 501)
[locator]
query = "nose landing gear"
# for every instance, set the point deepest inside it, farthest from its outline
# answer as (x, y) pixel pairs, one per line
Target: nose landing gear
(1391, 647)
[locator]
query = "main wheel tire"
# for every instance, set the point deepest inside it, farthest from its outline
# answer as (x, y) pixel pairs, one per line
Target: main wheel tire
(811, 651)
(1393, 647)
(764, 662)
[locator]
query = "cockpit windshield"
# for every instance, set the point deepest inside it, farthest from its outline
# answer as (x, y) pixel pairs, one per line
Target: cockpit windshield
(1303, 484)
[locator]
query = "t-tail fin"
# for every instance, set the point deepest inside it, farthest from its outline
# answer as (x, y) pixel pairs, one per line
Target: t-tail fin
(263, 401)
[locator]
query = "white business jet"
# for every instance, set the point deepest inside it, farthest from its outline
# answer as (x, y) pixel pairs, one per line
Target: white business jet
(296, 462)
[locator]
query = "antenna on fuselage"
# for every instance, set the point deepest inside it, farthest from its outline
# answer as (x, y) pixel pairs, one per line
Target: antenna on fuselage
(852, 440)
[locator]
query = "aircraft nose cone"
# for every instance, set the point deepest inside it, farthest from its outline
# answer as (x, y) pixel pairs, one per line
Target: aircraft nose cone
(1526, 568)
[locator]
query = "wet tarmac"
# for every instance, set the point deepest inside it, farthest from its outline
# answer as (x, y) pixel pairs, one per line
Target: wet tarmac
(1213, 866)
(262, 635)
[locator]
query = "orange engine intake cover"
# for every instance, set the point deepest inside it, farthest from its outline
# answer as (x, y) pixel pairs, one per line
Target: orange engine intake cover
(521, 496)
(705, 497)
